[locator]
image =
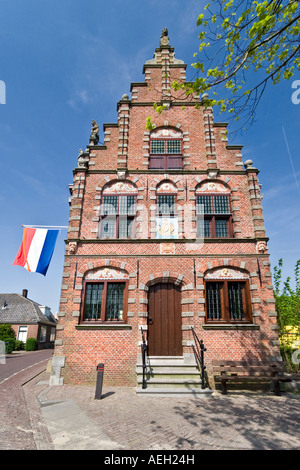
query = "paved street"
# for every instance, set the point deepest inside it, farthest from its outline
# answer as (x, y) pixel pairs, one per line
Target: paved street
(238, 421)
(16, 417)
(20, 360)
(34, 415)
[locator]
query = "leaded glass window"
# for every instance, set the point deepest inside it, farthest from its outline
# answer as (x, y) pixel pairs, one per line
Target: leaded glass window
(221, 204)
(114, 301)
(117, 216)
(127, 205)
(213, 296)
(93, 300)
(236, 307)
(203, 228)
(228, 301)
(213, 216)
(125, 227)
(108, 227)
(221, 227)
(109, 205)
(166, 204)
(204, 205)
(166, 153)
(104, 301)
(157, 146)
(174, 146)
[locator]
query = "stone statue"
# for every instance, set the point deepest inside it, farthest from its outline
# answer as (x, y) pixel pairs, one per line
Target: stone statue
(83, 161)
(164, 32)
(164, 38)
(95, 132)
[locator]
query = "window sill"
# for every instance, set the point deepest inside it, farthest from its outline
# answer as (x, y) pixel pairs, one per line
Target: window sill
(230, 326)
(103, 326)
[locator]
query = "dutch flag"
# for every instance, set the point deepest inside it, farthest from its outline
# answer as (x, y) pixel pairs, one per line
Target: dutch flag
(36, 250)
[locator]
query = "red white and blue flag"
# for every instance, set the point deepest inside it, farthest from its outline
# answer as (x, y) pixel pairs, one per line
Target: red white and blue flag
(36, 249)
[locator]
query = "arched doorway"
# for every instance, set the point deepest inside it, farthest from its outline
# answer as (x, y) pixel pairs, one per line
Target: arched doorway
(164, 320)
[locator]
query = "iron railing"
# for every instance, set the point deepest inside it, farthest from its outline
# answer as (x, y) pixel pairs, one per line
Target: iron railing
(144, 355)
(199, 350)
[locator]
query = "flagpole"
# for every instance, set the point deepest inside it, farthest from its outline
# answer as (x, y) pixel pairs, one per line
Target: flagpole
(44, 226)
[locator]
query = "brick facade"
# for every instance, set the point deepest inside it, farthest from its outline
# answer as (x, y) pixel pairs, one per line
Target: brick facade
(121, 166)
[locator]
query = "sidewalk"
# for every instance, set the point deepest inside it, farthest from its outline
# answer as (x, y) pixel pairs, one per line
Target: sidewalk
(68, 417)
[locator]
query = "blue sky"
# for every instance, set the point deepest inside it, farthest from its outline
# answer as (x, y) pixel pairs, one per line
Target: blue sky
(67, 62)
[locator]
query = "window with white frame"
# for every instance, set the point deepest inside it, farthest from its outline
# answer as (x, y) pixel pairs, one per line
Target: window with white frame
(22, 333)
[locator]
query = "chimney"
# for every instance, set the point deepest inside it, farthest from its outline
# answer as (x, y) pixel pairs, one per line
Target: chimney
(24, 293)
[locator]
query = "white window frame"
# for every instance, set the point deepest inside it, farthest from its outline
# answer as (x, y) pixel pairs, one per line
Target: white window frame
(22, 334)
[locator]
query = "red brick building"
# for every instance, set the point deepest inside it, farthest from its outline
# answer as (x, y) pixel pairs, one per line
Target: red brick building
(166, 232)
(28, 319)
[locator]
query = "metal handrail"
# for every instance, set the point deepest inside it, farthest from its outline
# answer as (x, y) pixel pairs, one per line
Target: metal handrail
(199, 350)
(144, 353)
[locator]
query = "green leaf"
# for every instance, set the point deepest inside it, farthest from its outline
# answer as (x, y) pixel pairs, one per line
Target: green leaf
(200, 19)
(149, 124)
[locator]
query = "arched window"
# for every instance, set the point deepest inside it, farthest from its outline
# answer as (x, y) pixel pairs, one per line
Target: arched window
(118, 211)
(165, 149)
(227, 296)
(166, 211)
(213, 209)
(105, 295)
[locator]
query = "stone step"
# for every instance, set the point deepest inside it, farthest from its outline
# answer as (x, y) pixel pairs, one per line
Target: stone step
(175, 392)
(172, 382)
(167, 360)
(169, 369)
(167, 377)
(170, 376)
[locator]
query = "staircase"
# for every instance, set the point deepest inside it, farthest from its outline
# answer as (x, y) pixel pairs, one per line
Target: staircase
(170, 376)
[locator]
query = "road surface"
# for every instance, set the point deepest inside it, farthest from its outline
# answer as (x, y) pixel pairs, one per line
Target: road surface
(17, 362)
(19, 425)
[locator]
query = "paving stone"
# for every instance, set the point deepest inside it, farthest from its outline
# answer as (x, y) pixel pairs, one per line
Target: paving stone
(238, 421)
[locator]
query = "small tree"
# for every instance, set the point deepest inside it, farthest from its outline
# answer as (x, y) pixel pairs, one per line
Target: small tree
(288, 312)
(8, 335)
(6, 331)
(244, 46)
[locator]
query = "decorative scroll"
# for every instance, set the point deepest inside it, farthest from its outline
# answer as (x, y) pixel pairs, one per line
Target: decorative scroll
(212, 187)
(225, 273)
(167, 187)
(120, 187)
(166, 132)
(107, 273)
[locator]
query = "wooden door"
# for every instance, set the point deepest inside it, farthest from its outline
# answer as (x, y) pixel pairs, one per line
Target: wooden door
(164, 320)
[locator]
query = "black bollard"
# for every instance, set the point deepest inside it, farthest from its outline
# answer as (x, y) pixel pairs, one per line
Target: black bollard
(100, 371)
